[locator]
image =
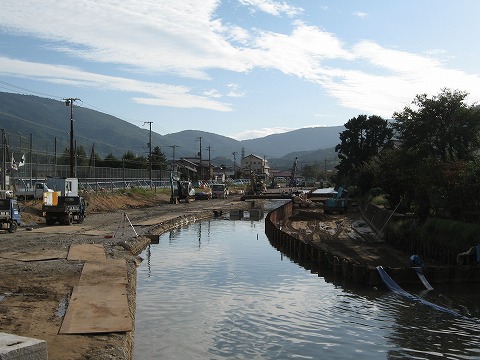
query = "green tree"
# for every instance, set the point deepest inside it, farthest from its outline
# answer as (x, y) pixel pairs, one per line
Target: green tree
(362, 139)
(159, 161)
(132, 161)
(431, 171)
(443, 126)
(64, 158)
(82, 158)
(111, 161)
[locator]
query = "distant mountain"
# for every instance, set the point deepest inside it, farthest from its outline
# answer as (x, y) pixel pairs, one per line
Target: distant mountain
(48, 121)
(187, 144)
(306, 139)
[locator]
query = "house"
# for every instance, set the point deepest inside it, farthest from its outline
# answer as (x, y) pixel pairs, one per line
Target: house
(256, 164)
(203, 171)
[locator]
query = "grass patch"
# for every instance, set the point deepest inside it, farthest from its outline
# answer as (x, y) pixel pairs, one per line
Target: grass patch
(379, 200)
(449, 233)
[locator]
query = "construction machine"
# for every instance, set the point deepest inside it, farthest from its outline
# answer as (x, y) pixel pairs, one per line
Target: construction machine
(181, 190)
(293, 181)
(65, 210)
(338, 204)
(256, 186)
(63, 204)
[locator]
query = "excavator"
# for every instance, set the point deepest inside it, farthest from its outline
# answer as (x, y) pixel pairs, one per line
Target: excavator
(181, 190)
(337, 204)
(293, 181)
(256, 186)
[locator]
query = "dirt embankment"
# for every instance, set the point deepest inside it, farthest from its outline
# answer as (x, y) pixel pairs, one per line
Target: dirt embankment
(100, 202)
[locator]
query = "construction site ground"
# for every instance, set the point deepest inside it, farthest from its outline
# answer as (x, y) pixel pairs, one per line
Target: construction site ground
(37, 278)
(347, 236)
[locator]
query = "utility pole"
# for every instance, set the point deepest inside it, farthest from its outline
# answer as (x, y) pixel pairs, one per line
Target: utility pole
(234, 165)
(325, 169)
(150, 150)
(200, 154)
(173, 157)
(4, 161)
(209, 148)
(31, 159)
(20, 136)
(69, 102)
(55, 158)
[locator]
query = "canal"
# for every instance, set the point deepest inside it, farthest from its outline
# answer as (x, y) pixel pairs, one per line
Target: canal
(218, 290)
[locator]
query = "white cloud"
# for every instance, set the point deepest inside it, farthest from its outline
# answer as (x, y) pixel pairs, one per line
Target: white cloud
(254, 134)
(186, 40)
(234, 91)
(157, 94)
(168, 36)
(399, 77)
(214, 93)
(360, 14)
(271, 7)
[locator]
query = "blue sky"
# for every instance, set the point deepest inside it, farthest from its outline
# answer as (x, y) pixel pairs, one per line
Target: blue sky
(239, 68)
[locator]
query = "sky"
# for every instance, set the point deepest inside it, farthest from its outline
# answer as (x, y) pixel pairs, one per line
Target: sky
(239, 68)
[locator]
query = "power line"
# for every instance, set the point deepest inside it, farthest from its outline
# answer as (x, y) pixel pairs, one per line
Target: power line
(30, 91)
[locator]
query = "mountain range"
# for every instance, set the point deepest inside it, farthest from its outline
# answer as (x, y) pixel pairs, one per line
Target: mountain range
(48, 123)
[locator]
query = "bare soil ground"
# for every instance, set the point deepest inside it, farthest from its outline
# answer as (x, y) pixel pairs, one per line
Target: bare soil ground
(34, 292)
(346, 235)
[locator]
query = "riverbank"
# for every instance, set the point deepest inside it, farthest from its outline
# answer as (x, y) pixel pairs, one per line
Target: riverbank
(38, 278)
(344, 247)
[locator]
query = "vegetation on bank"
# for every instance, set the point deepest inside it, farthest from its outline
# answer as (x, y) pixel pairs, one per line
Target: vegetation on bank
(424, 162)
(435, 238)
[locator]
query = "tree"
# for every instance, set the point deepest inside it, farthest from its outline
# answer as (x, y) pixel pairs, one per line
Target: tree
(159, 161)
(440, 138)
(442, 126)
(362, 138)
(132, 161)
(311, 171)
(64, 159)
(111, 161)
(82, 158)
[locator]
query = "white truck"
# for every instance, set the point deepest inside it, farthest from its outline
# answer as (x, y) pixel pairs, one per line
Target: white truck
(219, 191)
(32, 192)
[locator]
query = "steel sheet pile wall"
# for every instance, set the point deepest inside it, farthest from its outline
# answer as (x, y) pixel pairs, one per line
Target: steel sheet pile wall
(311, 256)
(336, 269)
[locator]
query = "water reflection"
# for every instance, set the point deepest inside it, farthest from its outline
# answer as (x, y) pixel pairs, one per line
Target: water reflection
(219, 290)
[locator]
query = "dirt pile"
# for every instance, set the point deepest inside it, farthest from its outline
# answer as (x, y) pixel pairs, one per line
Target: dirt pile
(99, 202)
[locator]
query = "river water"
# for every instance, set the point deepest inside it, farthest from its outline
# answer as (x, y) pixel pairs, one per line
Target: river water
(218, 290)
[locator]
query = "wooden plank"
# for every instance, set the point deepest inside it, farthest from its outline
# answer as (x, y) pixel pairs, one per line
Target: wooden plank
(108, 271)
(40, 255)
(86, 252)
(97, 309)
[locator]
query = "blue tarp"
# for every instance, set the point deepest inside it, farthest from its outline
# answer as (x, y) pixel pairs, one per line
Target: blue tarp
(393, 286)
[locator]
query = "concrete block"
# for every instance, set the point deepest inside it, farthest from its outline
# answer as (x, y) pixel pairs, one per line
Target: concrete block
(14, 347)
(236, 214)
(256, 214)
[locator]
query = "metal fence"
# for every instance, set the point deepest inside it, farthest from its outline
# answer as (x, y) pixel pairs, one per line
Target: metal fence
(91, 178)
